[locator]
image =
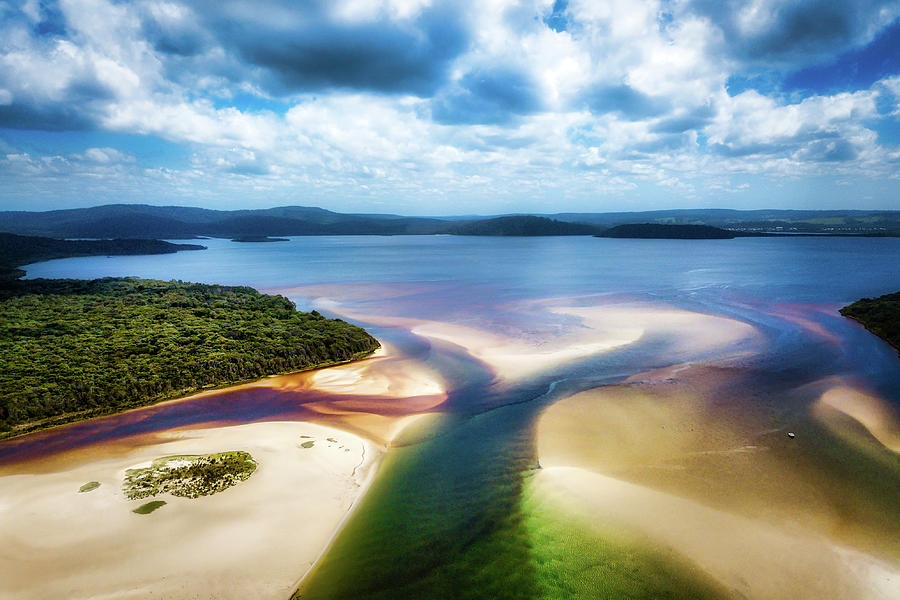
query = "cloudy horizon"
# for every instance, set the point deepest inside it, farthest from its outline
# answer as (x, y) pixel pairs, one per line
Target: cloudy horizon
(427, 107)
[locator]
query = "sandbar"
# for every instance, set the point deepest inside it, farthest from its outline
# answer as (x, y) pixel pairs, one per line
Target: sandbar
(596, 329)
(753, 559)
(879, 418)
(253, 540)
(679, 456)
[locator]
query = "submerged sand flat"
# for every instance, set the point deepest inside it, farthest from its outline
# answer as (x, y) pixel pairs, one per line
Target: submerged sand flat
(253, 540)
(670, 456)
(752, 559)
(597, 329)
(877, 416)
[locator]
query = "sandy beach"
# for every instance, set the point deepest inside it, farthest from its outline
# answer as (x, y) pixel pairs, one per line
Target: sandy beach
(253, 540)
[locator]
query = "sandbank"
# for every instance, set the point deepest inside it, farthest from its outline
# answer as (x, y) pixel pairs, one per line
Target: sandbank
(878, 417)
(253, 540)
(753, 559)
(384, 374)
(596, 329)
(679, 456)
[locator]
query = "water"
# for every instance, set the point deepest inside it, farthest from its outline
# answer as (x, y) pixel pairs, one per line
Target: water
(443, 519)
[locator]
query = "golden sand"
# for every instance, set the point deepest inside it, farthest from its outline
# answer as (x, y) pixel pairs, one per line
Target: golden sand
(752, 558)
(878, 417)
(667, 454)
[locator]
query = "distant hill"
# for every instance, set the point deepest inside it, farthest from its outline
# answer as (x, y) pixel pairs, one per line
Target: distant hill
(180, 222)
(827, 222)
(671, 232)
(18, 250)
(173, 222)
(523, 226)
(259, 238)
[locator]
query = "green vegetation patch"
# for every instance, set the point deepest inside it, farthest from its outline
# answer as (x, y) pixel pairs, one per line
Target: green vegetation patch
(308, 444)
(881, 316)
(72, 349)
(90, 486)
(189, 476)
(146, 509)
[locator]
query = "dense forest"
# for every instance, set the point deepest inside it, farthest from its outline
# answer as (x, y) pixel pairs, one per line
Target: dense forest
(74, 349)
(17, 250)
(881, 316)
(522, 226)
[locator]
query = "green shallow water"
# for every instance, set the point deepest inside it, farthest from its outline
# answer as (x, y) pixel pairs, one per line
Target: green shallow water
(570, 559)
(443, 519)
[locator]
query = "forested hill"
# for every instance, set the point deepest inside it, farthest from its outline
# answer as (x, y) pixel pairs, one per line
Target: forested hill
(17, 250)
(72, 349)
(881, 316)
(523, 226)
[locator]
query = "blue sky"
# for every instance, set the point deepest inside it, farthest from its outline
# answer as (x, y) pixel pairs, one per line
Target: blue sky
(449, 107)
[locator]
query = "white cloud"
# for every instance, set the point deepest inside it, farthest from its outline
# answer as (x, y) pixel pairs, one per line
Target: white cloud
(150, 68)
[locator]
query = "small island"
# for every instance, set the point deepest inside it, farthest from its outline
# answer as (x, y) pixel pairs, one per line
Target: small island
(74, 349)
(657, 231)
(189, 476)
(880, 316)
(259, 238)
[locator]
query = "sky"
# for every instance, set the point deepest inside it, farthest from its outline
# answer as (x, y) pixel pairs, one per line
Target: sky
(431, 107)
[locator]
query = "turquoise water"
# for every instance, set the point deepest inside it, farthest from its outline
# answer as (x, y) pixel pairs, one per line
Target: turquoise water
(442, 520)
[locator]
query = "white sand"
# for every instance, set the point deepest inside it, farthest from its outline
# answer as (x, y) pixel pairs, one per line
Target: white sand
(513, 358)
(384, 374)
(689, 332)
(253, 540)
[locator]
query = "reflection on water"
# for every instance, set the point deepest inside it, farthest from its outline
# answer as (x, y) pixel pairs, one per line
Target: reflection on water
(444, 516)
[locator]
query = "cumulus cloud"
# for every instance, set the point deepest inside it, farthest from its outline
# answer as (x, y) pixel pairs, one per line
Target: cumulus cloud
(340, 44)
(491, 96)
(797, 31)
(430, 98)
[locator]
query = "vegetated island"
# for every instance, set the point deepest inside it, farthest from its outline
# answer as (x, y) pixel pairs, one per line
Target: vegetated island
(189, 476)
(668, 232)
(259, 238)
(18, 250)
(880, 315)
(74, 349)
(523, 226)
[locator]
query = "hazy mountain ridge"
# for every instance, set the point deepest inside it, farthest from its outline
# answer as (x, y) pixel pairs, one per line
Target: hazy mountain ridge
(146, 221)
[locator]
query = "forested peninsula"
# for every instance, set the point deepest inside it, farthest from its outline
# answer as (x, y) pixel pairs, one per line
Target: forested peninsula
(18, 250)
(74, 349)
(880, 315)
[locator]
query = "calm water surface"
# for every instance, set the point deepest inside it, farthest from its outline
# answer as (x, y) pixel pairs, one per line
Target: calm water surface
(441, 519)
